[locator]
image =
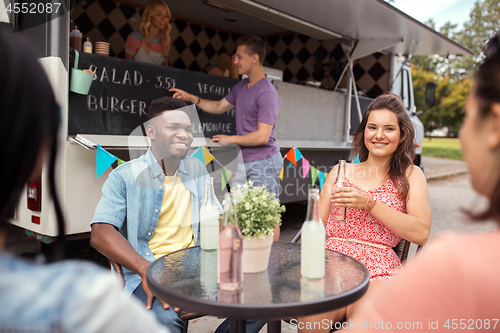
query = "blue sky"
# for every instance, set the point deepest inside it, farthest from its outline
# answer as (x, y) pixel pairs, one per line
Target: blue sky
(441, 11)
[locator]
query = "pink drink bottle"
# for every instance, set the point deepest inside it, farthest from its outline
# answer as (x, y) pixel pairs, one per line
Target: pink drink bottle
(230, 274)
(340, 182)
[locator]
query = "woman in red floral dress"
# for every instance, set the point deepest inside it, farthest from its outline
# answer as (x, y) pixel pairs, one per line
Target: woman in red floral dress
(386, 199)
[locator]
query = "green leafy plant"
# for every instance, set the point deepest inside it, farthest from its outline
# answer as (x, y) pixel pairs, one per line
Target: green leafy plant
(258, 210)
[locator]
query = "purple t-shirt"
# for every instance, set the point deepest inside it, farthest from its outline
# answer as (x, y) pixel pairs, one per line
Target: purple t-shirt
(258, 104)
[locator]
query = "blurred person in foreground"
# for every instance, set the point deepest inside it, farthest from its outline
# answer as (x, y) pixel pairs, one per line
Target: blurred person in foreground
(454, 283)
(71, 296)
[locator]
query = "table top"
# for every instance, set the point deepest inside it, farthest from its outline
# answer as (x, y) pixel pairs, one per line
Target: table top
(188, 279)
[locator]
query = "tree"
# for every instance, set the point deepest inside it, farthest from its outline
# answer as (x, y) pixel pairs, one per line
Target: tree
(483, 24)
(442, 64)
(450, 96)
(474, 35)
(452, 106)
(451, 73)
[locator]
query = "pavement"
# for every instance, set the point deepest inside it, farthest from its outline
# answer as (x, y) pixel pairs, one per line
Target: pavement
(434, 168)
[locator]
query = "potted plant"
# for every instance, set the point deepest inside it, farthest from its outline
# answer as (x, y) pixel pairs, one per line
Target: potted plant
(258, 212)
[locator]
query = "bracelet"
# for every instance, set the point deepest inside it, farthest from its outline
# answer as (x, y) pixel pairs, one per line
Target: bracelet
(199, 99)
(369, 203)
(372, 203)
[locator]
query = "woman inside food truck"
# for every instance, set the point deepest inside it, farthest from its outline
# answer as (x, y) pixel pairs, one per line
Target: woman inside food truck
(152, 42)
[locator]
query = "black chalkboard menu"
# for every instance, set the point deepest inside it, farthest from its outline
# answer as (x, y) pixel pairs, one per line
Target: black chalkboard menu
(122, 91)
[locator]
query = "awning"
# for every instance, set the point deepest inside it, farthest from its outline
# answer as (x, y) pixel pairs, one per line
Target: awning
(369, 20)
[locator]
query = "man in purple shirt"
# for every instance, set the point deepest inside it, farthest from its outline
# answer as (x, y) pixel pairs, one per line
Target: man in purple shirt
(257, 105)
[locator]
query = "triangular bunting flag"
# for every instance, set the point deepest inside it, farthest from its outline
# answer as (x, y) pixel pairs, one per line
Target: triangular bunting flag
(326, 175)
(321, 177)
(290, 164)
(103, 160)
(225, 176)
(198, 153)
(298, 154)
(120, 161)
(291, 156)
(207, 155)
(314, 175)
(281, 173)
(305, 168)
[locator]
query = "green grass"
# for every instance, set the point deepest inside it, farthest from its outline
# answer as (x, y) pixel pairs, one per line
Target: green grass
(442, 147)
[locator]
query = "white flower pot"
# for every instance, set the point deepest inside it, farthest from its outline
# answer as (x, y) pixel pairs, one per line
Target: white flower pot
(256, 253)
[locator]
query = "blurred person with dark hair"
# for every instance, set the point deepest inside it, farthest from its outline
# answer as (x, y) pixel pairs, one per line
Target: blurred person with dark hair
(386, 199)
(453, 283)
(71, 296)
(150, 206)
(257, 106)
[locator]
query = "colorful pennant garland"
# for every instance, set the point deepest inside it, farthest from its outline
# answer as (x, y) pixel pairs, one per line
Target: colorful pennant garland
(305, 168)
(298, 154)
(293, 156)
(198, 153)
(226, 174)
(208, 157)
(104, 159)
(321, 177)
(204, 155)
(314, 175)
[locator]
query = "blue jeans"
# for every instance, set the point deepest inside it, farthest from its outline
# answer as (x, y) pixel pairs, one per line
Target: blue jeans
(168, 318)
(252, 326)
(266, 172)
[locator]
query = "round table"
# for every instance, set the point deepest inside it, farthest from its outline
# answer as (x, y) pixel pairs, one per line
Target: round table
(188, 279)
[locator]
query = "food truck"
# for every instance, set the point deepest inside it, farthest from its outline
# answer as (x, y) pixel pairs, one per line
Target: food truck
(327, 60)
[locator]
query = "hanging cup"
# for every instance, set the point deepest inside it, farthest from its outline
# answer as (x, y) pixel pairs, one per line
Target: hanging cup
(80, 80)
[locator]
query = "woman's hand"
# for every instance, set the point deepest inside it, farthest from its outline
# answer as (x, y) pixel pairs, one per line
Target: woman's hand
(349, 197)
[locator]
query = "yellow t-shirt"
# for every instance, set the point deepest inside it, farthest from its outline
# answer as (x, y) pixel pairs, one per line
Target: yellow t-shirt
(174, 230)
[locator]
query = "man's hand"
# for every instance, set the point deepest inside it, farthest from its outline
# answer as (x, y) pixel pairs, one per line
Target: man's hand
(107, 240)
(186, 97)
(150, 296)
(223, 140)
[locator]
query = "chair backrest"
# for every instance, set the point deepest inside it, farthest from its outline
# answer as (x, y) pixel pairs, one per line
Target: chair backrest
(118, 271)
(186, 316)
(402, 250)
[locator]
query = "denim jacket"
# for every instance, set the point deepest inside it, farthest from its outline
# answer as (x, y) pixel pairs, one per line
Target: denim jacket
(132, 197)
(70, 296)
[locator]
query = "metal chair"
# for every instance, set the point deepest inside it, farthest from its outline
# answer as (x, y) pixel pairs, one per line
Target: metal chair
(186, 316)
